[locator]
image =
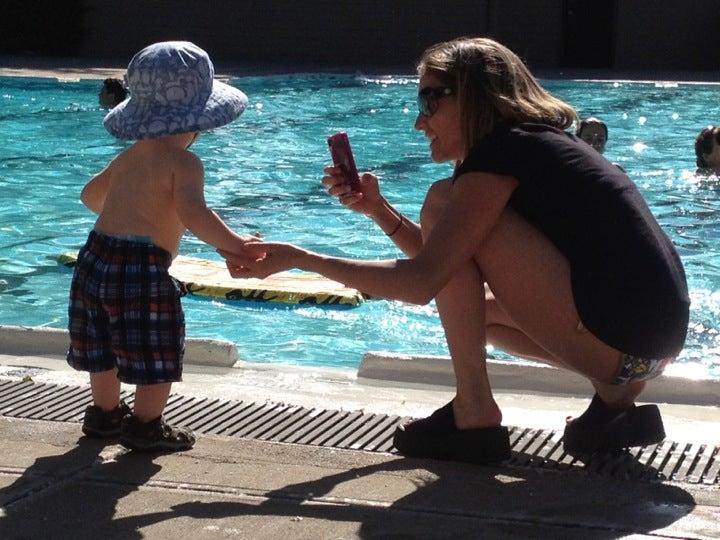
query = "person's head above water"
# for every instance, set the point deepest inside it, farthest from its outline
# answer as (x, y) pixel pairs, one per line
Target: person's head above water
(707, 150)
(490, 84)
(594, 132)
(112, 93)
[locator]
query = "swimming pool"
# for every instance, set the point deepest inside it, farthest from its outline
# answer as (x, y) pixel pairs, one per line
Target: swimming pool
(263, 173)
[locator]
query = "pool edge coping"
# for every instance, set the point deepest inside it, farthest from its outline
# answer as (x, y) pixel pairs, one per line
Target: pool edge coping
(386, 368)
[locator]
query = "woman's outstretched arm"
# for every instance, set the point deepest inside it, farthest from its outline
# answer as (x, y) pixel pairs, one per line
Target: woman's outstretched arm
(476, 202)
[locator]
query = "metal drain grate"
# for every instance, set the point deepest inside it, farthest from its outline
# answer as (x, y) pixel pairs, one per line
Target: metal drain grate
(355, 430)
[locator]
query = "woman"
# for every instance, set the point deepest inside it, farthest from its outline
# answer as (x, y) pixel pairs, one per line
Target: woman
(582, 277)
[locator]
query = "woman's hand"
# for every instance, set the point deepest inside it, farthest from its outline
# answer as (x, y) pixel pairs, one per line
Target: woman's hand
(240, 255)
(261, 259)
(367, 201)
(244, 240)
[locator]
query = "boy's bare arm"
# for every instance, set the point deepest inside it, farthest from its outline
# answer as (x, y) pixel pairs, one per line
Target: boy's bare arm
(95, 191)
(188, 184)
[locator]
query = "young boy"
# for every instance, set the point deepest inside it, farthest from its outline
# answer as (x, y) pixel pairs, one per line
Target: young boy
(126, 321)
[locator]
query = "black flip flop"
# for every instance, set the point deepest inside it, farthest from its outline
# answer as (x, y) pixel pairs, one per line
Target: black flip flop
(437, 437)
(603, 429)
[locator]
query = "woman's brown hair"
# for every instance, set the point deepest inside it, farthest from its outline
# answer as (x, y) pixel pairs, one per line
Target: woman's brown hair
(492, 85)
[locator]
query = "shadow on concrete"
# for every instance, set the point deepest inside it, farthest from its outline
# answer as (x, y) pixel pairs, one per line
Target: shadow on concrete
(49, 471)
(80, 493)
(445, 499)
(620, 464)
(66, 492)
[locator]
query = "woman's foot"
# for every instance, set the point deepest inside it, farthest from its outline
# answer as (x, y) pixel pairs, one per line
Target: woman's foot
(619, 396)
(468, 415)
(604, 428)
(438, 437)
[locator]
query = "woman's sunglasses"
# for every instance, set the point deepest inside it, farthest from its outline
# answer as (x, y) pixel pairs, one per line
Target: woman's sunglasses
(428, 99)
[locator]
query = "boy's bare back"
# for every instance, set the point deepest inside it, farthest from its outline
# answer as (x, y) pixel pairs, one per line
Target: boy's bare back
(154, 188)
(138, 186)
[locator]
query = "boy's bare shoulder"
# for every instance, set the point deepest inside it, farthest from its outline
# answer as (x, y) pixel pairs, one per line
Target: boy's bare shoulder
(182, 160)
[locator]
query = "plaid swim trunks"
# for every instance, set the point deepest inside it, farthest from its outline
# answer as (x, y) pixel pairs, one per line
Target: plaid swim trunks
(125, 311)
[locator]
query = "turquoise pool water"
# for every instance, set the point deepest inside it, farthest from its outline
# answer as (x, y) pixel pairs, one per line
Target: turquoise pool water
(263, 172)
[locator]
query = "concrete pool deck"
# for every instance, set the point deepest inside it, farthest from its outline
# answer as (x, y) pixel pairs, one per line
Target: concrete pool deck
(57, 485)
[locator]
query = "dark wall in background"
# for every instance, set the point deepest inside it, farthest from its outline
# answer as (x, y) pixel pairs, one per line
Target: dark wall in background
(588, 32)
(334, 32)
(668, 34)
(531, 28)
(42, 27)
(357, 34)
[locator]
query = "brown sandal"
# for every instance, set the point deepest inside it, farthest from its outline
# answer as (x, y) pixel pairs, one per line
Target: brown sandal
(100, 424)
(156, 435)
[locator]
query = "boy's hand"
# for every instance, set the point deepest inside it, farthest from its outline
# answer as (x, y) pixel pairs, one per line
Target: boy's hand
(250, 238)
(240, 254)
(261, 259)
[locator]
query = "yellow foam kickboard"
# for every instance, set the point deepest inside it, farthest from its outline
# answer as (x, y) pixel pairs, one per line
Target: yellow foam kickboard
(203, 277)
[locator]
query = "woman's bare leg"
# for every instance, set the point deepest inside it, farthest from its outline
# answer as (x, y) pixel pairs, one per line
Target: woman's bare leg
(531, 313)
(532, 286)
(462, 311)
(461, 305)
(504, 334)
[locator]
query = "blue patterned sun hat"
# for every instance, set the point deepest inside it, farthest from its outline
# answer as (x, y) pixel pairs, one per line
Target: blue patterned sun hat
(172, 91)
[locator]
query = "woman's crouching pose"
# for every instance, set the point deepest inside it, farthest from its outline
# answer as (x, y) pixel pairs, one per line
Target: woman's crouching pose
(537, 244)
